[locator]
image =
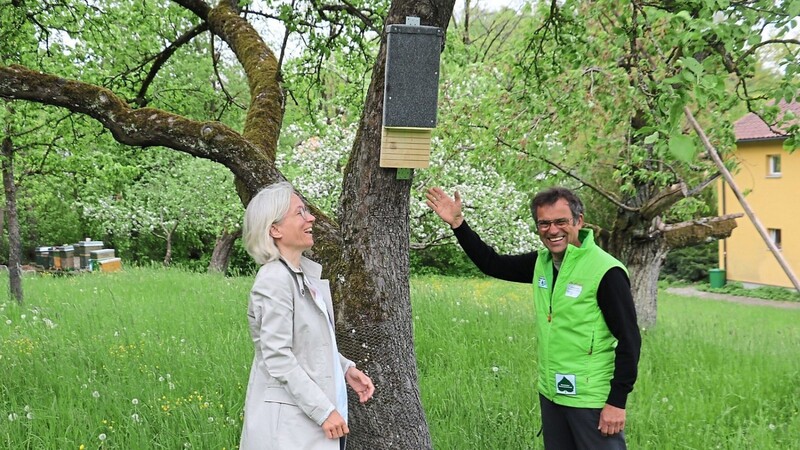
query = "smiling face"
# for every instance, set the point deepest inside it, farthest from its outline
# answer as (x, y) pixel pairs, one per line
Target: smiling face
(292, 234)
(553, 236)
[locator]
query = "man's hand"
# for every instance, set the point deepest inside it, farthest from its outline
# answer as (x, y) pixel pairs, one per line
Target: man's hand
(612, 420)
(445, 207)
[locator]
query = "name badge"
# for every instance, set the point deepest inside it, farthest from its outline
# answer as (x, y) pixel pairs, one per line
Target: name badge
(543, 282)
(573, 290)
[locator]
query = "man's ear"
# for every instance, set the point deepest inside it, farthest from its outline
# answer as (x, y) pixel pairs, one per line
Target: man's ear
(274, 232)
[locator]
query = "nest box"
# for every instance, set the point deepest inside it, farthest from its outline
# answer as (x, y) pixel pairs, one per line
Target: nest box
(410, 94)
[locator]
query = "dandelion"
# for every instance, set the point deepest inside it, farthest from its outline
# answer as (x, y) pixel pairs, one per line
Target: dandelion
(161, 379)
(210, 420)
(495, 369)
(23, 316)
(135, 417)
(96, 394)
(772, 427)
(8, 322)
(29, 416)
(27, 408)
(12, 417)
(511, 338)
(49, 323)
(102, 436)
(135, 401)
(664, 400)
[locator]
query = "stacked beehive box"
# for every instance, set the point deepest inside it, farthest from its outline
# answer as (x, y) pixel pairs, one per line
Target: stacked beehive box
(104, 260)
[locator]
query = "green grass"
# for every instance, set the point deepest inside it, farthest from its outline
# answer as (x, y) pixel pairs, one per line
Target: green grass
(159, 359)
(147, 359)
(712, 375)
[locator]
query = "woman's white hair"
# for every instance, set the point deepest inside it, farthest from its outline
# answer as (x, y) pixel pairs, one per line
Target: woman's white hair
(269, 206)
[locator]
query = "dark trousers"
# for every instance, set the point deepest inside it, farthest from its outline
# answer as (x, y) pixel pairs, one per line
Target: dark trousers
(567, 428)
(342, 443)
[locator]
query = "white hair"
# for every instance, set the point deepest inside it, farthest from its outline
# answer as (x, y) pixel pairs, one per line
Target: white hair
(269, 206)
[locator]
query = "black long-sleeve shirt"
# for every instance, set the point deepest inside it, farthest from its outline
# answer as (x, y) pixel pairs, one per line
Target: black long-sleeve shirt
(613, 297)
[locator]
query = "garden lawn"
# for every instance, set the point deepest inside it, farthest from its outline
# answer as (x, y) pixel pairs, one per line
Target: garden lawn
(159, 359)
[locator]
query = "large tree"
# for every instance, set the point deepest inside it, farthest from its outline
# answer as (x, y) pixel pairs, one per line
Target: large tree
(364, 250)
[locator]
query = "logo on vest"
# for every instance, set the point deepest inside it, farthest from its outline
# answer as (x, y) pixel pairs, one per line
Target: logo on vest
(543, 282)
(565, 384)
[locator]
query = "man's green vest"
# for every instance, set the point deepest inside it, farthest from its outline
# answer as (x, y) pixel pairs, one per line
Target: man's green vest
(576, 348)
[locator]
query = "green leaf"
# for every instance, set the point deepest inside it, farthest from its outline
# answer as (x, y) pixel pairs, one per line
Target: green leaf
(682, 147)
(791, 144)
(651, 139)
(793, 9)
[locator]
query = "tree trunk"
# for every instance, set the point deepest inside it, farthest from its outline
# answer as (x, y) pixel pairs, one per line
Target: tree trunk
(644, 248)
(14, 238)
(168, 253)
(222, 251)
(375, 325)
(644, 261)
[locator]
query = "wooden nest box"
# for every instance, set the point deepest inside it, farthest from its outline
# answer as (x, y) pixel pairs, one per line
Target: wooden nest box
(410, 94)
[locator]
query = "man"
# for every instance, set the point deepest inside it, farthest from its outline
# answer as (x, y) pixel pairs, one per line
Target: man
(588, 338)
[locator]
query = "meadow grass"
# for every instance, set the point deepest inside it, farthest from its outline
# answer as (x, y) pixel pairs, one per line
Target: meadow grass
(159, 359)
(141, 359)
(712, 375)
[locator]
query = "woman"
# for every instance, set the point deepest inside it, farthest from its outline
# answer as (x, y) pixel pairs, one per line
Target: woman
(296, 396)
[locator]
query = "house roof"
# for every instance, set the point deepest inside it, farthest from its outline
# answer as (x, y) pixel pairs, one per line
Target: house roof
(752, 128)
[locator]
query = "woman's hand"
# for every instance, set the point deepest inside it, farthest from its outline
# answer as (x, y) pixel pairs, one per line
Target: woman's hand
(335, 426)
(360, 383)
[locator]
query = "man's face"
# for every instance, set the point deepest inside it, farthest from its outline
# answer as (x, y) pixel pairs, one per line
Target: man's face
(557, 228)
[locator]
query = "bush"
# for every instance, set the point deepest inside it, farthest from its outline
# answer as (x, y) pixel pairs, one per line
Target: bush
(691, 263)
(448, 260)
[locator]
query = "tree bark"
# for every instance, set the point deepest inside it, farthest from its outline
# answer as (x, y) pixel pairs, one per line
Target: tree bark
(14, 236)
(222, 251)
(375, 323)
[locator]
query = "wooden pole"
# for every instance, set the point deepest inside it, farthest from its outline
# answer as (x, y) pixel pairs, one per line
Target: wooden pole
(712, 152)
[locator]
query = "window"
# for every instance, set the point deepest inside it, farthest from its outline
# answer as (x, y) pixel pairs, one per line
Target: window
(775, 236)
(773, 165)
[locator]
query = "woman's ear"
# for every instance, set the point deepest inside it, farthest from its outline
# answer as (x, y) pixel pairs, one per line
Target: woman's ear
(274, 232)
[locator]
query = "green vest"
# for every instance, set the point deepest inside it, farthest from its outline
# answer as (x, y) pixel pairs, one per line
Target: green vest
(576, 348)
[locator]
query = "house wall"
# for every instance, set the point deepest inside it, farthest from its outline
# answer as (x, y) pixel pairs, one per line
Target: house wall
(775, 200)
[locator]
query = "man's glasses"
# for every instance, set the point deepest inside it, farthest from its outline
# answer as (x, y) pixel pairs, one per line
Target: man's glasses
(544, 225)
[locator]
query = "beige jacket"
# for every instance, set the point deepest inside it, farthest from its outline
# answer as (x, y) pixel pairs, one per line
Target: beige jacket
(291, 389)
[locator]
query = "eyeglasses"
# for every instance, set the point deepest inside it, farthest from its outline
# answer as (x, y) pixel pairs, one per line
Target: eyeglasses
(544, 225)
(304, 212)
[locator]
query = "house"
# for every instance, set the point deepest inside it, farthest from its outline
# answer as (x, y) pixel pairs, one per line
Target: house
(769, 177)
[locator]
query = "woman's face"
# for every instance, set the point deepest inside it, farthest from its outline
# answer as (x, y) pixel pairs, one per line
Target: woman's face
(293, 232)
